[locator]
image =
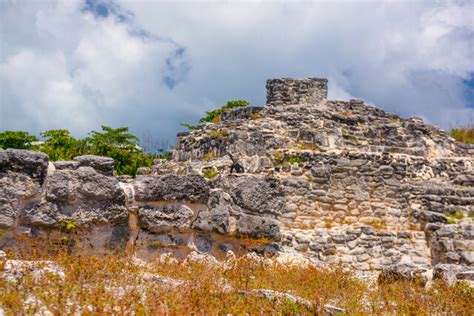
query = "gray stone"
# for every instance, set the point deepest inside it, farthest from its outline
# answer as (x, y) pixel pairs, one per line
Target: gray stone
(104, 165)
(254, 193)
(67, 164)
(193, 188)
(216, 217)
(164, 217)
(30, 163)
(259, 227)
(403, 272)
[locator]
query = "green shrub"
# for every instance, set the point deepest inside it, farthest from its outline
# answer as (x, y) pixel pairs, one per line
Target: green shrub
(60, 145)
(294, 159)
(214, 116)
(210, 173)
(188, 126)
(463, 134)
(16, 139)
(116, 143)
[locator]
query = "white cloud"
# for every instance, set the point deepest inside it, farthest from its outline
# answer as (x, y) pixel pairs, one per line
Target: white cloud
(63, 66)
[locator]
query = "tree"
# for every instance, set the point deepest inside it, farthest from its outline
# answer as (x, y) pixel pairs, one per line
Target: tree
(120, 145)
(60, 145)
(16, 139)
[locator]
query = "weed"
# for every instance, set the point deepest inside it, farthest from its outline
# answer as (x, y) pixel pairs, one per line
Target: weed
(453, 218)
(256, 116)
(209, 156)
(278, 157)
(210, 173)
(291, 159)
(218, 134)
(188, 126)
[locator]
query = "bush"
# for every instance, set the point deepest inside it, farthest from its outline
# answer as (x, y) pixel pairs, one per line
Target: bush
(463, 134)
(16, 139)
(60, 145)
(117, 143)
(214, 116)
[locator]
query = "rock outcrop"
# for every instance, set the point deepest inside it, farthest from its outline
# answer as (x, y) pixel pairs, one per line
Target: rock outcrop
(329, 182)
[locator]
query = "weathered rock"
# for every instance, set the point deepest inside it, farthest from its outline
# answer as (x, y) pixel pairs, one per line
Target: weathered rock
(259, 227)
(165, 217)
(30, 163)
(408, 272)
(261, 195)
(66, 164)
(104, 165)
(83, 195)
(193, 188)
(216, 217)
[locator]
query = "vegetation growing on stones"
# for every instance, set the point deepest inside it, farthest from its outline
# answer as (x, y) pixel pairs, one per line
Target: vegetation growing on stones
(463, 134)
(210, 173)
(214, 116)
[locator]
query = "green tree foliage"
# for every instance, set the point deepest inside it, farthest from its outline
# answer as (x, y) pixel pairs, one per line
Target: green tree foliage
(122, 146)
(214, 116)
(463, 134)
(116, 143)
(60, 145)
(16, 139)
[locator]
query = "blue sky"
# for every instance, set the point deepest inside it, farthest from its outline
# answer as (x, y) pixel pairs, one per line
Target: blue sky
(150, 65)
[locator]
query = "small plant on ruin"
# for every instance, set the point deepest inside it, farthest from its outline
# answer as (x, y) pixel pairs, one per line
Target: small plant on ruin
(188, 126)
(292, 159)
(70, 226)
(453, 218)
(256, 116)
(214, 115)
(218, 133)
(210, 173)
(463, 134)
(278, 157)
(209, 156)
(328, 222)
(377, 224)
(306, 146)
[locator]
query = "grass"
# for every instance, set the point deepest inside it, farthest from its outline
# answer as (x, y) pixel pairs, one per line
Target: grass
(111, 283)
(463, 134)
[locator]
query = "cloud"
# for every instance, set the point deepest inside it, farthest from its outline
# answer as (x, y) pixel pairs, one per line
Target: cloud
(150, 65)
(91, 64)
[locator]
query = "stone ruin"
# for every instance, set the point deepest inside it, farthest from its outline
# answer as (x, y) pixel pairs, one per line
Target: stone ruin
(324, 181)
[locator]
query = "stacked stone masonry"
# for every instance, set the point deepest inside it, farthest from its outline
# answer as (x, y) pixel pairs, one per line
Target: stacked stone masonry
(325, 181)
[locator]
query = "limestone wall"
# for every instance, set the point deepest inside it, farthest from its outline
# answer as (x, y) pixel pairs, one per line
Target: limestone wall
(287, 91)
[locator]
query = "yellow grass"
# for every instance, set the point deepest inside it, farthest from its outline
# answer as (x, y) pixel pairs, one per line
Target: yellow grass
(112, 283)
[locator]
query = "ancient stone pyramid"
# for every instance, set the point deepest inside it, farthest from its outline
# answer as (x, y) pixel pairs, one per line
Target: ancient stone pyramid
(326, 181)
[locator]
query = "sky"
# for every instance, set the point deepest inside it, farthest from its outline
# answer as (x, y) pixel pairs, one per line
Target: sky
(150, 65)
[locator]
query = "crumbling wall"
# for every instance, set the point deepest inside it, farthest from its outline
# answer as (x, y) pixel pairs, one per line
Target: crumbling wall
(287, 91)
